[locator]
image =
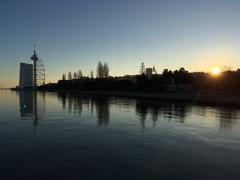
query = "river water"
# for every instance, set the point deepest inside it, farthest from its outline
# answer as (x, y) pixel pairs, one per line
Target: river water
(70, 136)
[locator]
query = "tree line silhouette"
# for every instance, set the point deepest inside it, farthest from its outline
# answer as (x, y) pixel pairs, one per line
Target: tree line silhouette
(169, 81)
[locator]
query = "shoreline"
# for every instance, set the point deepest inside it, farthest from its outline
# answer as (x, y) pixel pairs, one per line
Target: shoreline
(194, 98)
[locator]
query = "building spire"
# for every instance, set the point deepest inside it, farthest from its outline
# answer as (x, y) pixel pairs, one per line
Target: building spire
(34, 56)
(34, 48)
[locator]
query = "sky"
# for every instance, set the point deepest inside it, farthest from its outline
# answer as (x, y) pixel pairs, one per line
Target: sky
(72, 35)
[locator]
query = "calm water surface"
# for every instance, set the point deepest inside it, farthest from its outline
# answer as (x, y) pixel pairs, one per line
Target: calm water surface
(69, 136)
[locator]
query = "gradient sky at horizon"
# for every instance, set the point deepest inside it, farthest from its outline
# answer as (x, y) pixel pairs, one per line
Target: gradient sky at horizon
(76, 34)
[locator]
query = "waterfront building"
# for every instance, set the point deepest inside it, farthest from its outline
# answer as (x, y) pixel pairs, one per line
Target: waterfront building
(26, 76)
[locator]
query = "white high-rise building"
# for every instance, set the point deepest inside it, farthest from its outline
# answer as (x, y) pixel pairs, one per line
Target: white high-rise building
(26, 76)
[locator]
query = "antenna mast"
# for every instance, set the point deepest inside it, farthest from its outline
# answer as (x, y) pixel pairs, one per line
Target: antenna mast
(38, 69)
(34, 58)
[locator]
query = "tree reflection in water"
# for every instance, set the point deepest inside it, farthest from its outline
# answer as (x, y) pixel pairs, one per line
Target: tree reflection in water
(228, 118)
(157, 109)
(102, 108)
(144, 109)
(76, 103)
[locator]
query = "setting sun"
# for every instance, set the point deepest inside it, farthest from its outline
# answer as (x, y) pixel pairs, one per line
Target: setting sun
(215, 71)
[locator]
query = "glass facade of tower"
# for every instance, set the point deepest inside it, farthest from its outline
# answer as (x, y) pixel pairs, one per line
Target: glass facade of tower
(26, 75)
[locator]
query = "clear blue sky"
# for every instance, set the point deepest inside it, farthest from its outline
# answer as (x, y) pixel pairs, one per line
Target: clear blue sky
(76, 34)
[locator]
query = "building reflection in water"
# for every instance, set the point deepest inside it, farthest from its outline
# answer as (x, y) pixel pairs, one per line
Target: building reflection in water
(32, 105)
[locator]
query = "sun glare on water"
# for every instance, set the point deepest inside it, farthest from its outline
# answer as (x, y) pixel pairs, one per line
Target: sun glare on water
(215, 71)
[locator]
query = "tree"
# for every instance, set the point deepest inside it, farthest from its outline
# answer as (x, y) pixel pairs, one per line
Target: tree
(79, 76)
(102, 70)
(182, 70)
(105, 70)
(142, 69)
(154, 70)
(69, 75)
(181, 76)
(74, 75)
(167, 76)
(64, 77)
(91, 74)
